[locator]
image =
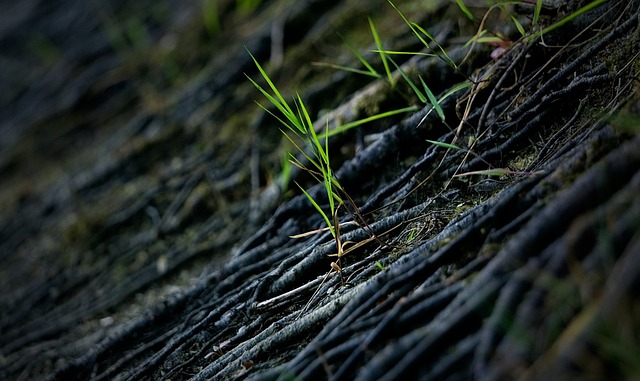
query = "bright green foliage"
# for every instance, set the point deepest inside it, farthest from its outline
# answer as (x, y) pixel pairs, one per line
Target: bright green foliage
(297, 120)
(347, 126)
(294, 123)
(299, 123)
(322, 163)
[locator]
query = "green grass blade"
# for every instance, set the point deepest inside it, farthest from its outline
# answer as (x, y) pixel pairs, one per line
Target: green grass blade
(283, 122)
(432, 99)
(465, 10)
(396, 52)
(278, 101)
(408, 23)
(330, 181)
(518, 25)
(361, 58)
(475, 38)
(284, 110)
(413, 86)
(319, 209)
(311, 160)
(445, 145)
(273, 87)
(347, 126)
(442, 49)
(326, 155)
(329, 190)
(311, 135)
(486, 40)
(301, 125)
(487, 172)
(347, 68)
(415, 26)
(321, 153)
(383, 56)
(454, 89)
(417, 29)
(450, 92)
(536, 13)
(334, 183)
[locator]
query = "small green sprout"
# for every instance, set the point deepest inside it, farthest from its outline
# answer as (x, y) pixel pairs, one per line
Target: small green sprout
(299, 123)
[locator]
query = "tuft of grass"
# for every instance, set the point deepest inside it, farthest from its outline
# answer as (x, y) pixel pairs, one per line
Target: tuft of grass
(322, 163)
(298, 126)
(315, 151)
(423, 92)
